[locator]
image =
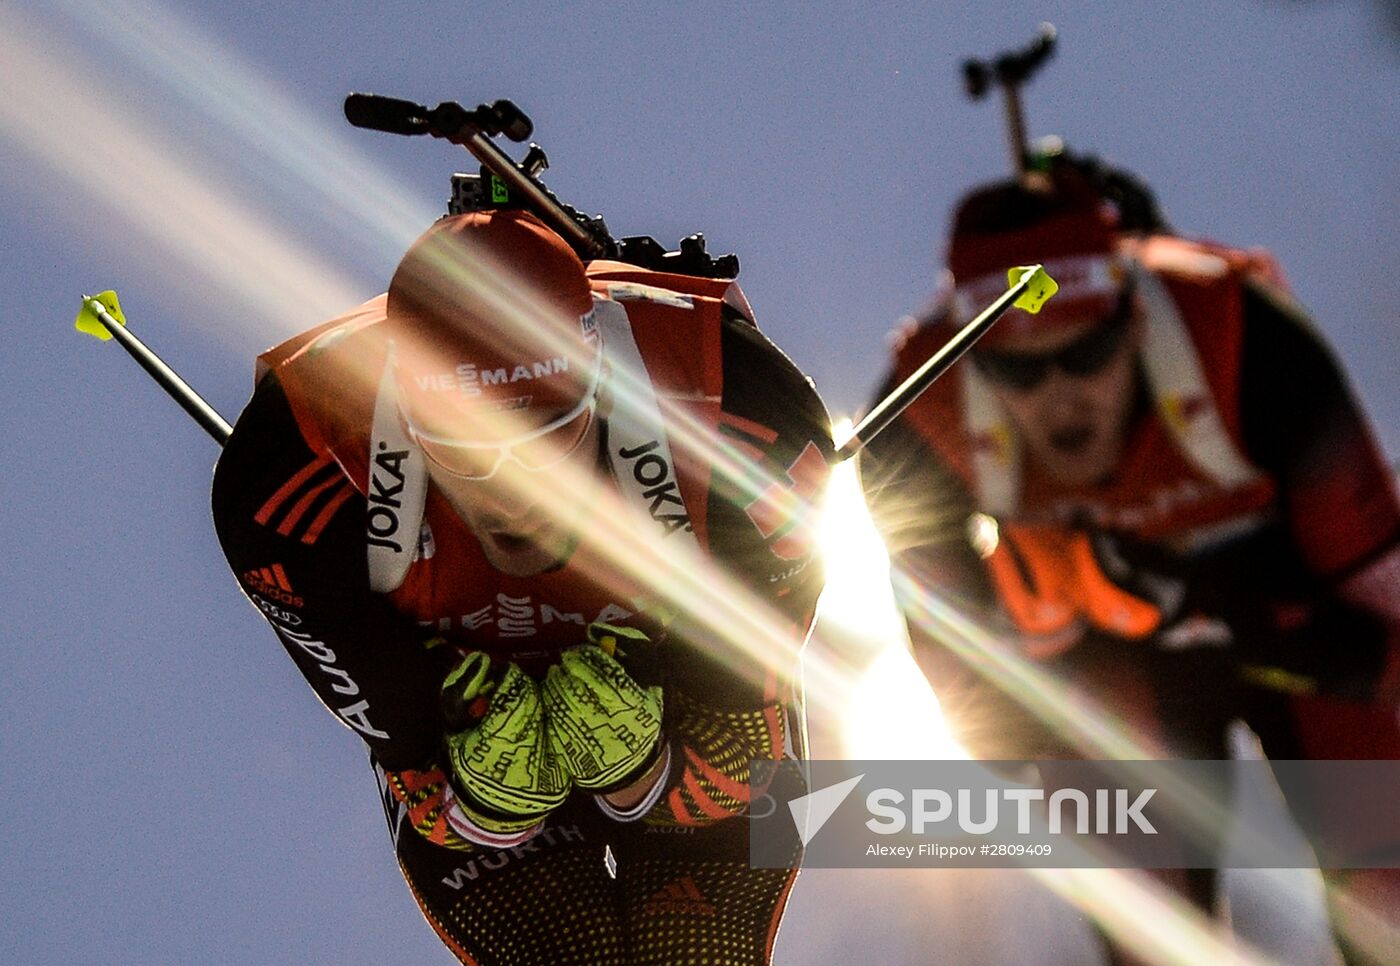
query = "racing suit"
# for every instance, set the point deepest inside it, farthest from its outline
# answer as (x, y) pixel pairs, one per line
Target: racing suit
(1257, 472)
(375, 587)
(1247, 468)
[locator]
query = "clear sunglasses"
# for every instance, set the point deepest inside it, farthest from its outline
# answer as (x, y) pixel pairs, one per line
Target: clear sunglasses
(1086, 356)
(540, 449)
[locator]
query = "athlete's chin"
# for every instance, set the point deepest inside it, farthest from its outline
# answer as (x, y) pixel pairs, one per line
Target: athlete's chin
(1082, 460)
(517, 556)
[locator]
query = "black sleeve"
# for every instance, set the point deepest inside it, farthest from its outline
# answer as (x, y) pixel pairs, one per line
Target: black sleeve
(1292, 392)
(1338, 514)
(293, 529)
(1302, 424)
(772, 411)
(728, 706)
(762, 526)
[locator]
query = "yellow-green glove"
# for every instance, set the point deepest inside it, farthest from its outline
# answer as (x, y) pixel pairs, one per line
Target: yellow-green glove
(505, 775)
(602, 726)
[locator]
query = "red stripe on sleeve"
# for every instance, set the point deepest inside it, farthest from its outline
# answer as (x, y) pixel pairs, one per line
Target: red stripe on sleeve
(299, 509)
(727, 785)
(678, 809)
(288, 488)
(702, 800)
(324, 517)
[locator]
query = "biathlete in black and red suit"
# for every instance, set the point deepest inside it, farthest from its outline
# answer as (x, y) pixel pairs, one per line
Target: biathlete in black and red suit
(581, 497)
(1183, 512)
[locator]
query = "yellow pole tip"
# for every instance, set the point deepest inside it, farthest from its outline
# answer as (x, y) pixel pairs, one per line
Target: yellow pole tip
(88, 321)
(1040, 286)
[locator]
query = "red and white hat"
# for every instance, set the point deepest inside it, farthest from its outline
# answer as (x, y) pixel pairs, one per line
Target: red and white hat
(1068, 228)
(492, 328)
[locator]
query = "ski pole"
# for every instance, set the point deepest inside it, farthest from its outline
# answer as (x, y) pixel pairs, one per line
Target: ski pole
(101, 317)
(1030, 287)
(1009, 70)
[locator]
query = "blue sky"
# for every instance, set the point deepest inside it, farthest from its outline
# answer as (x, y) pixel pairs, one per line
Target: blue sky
(173, 790)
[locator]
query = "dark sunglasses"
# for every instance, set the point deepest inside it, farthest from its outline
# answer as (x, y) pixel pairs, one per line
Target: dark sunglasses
(1085, 356)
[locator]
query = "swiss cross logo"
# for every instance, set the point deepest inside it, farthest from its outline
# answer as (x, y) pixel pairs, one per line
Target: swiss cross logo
(784, 512)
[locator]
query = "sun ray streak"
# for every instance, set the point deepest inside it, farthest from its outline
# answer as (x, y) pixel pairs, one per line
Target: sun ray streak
(130, 173)
(721, 612)
(1140, 913)
(136, 190)
(308, 160)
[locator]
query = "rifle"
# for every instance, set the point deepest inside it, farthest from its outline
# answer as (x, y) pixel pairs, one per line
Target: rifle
(505, 182)
(1010, 71)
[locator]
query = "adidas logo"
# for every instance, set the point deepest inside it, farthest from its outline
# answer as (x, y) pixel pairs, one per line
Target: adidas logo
(680, 898)
(272, 582)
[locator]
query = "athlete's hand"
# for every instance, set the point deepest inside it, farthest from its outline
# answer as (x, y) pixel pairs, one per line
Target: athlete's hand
(1055, 584)
(601, 724)
(503, 771)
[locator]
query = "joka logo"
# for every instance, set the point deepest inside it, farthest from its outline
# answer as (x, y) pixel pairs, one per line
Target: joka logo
(272, 582)
(680, 898)
(652, 471)
(385, 497)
